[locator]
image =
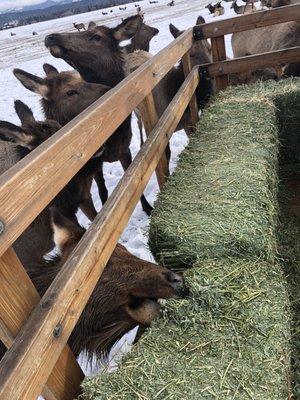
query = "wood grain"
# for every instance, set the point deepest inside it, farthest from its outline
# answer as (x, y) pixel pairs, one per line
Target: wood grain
(18, 297)
(23, 375)
(218, 50)
(150, 119)
(257, 61)
(251, 21)
(28, 187)
(187, 67)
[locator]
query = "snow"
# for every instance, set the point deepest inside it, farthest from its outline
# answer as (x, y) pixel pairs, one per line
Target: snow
(28, 52)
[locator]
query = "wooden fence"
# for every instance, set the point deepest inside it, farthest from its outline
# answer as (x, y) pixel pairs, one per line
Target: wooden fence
(36, 330)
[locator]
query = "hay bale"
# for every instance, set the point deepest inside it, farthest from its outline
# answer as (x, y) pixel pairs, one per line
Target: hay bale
(230, 338)
(226, 341)
(221, 200)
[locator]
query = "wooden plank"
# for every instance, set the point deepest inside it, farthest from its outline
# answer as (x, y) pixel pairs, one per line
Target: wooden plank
(218, 50)
(31, 184)
(187, 67)
(18, 297)
(257, 61)
(23, 375)
(250, 21)
(150, 119)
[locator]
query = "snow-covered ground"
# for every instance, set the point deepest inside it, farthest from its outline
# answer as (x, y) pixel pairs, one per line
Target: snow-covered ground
(28, 52)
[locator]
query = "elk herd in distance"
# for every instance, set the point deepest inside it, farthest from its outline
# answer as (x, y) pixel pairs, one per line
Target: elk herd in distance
(127, 293)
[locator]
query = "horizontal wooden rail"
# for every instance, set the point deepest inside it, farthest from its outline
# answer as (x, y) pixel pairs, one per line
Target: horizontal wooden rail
(250, 21)
(21, 376)
(29, 186)
(254, 62)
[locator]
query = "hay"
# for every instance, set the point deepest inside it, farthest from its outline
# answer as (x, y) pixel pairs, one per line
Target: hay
(289, 251)
(221, 200)
(230, 337)
(225, 341)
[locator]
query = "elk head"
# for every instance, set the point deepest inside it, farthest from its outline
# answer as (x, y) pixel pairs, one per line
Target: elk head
(95, 53)
(31, 133)
(125, 295)
(64, 95)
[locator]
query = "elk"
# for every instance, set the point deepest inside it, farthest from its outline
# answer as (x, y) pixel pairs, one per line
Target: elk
(167, 88)
(220, 10)
(97, 55)
(266, 39)
(248, 8)
(65, 95)
(16, 142)
(211, 8)
(104, 13)
(12, 34)
(171, 4)
(34, 33)
(125, 295)
(104, 61)
(136, 5)
(141, 40)
(79, 26)
(122, 8)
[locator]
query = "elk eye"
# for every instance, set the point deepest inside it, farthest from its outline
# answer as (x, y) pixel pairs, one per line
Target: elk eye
(71, 93)
(96, 38)
(135, 302)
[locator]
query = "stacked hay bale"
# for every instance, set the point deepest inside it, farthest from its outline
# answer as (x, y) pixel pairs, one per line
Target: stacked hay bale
(217, 215)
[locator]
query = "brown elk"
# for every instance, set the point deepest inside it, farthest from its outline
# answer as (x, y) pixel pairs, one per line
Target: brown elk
(125, 296)
(220, 10)
(79, 26)
(167, 88)
(171, 4)
(97, 55)
(65, 95)
(16, 143)
(141, 40)
(12, 34)
(122, 8)
(248, 8)
(268, 38)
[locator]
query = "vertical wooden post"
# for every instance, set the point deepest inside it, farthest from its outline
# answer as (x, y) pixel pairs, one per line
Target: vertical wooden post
(18, 297)
(187, 67)
(150, 119)
(219, 54)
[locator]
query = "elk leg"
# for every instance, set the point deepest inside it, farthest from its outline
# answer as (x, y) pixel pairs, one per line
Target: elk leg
(102, 190)
(88, 208)
(125, 160)
(140, 125)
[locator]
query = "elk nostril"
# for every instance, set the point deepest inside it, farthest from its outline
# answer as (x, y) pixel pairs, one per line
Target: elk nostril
(50, 40)
(175, 279)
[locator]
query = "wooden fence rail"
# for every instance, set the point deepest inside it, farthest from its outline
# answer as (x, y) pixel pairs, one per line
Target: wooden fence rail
(38, 361)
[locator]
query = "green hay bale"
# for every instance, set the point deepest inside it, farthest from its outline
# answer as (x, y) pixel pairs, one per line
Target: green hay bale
(226, 341)
(289, 251)
(221, 200)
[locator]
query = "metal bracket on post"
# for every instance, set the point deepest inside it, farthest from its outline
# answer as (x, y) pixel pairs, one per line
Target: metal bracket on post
(198, 33)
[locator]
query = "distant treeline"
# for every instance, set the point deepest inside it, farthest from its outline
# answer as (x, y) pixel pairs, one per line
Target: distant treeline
(56, 11)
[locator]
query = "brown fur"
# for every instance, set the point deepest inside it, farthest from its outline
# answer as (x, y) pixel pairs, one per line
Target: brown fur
(124, 297)
(142, 38)
(265, 39)
(36, 240)
(167, 88)
(97, 55)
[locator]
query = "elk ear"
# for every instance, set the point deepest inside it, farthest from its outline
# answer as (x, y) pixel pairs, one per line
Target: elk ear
(174, 31)
(66, 232)
(24, 113)
(92, 25)
(50, 70)
(32, 82)
(200, 20)
(15, 134)
(128, 28)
